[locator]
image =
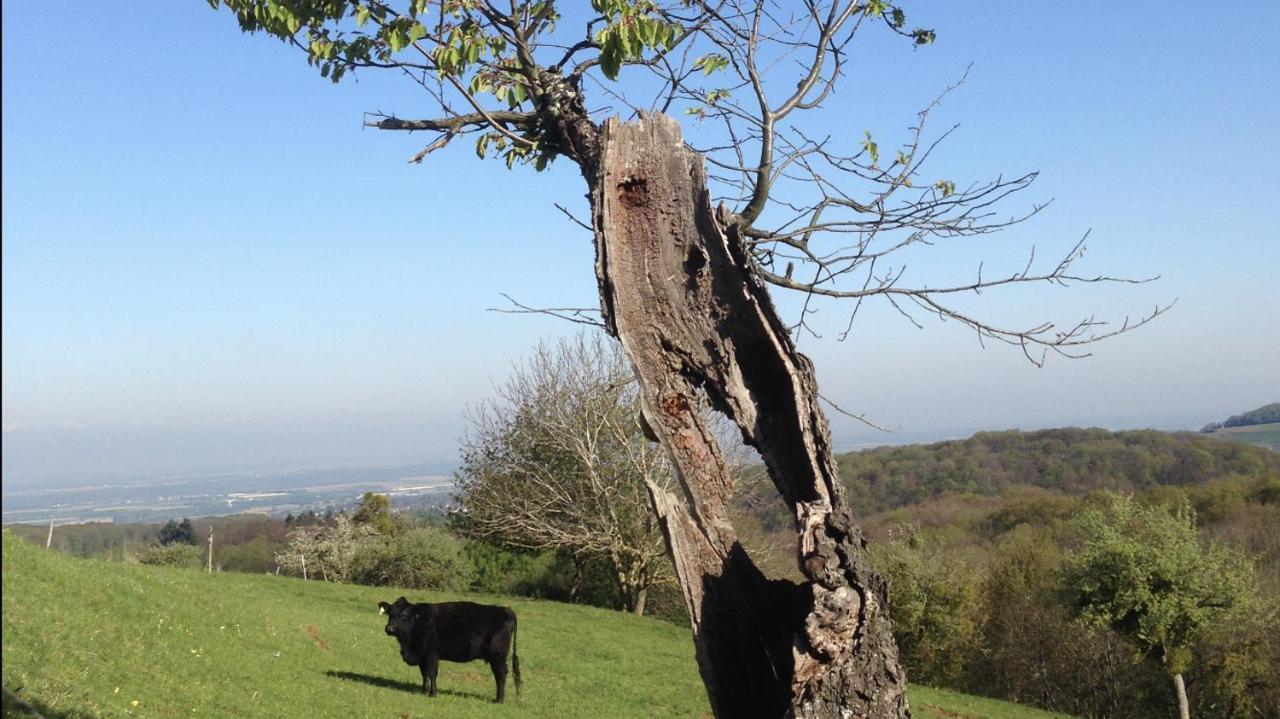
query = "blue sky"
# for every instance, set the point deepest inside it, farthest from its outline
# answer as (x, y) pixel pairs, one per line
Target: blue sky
(209, 265)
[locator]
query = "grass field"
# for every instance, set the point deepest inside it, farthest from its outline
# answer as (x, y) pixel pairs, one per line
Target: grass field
(1261, 435)
(100, 639)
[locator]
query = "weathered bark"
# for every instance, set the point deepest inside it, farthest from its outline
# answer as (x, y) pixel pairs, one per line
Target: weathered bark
(678, 290)
(1184, 707)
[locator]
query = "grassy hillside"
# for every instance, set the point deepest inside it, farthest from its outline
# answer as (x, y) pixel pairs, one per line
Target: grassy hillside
(1259, 435)
(108, 639)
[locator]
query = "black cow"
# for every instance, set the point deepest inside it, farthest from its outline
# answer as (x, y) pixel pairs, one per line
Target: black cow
(454, 632)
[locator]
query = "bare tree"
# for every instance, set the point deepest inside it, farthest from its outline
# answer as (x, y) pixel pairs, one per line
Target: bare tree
(684, 258)
(559, 462)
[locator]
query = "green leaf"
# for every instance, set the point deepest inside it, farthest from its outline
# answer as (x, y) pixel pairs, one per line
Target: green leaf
(362, 15)
(871, 148)
(711, 63)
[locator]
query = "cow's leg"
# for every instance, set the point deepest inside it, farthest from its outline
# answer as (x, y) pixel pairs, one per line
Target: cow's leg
(499, 666)
(430, 668)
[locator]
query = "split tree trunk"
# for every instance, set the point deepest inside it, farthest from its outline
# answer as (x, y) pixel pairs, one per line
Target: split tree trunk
(676, 287)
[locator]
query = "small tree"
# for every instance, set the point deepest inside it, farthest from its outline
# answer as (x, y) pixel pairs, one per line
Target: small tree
(935, 606)
(560, 462)
(375, 512)
(178, 533)
(1146, 573)
(324, 549)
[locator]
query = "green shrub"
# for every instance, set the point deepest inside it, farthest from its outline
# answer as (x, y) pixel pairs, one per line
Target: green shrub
(171, 555)
(255, 556)
(424, 558)
(501, 570)
(935, 607)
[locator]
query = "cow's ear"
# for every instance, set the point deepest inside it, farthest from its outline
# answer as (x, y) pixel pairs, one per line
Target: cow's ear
(383, 607)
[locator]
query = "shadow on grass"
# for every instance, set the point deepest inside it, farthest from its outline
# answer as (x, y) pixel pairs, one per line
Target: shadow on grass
(411, 687)
(21, 707)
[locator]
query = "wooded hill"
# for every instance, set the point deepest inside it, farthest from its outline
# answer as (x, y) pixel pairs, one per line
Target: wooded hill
(1072, 461)
(1266, 414)
(974, 535)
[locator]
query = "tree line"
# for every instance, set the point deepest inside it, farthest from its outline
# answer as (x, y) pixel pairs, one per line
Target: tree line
(1102, 605)
(1266, 414)
(1070, 460)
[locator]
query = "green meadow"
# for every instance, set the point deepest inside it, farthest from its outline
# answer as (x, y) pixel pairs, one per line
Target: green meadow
(111, 639)
(1259, 435)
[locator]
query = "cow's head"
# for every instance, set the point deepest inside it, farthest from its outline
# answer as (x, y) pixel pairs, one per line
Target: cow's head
(400, 617)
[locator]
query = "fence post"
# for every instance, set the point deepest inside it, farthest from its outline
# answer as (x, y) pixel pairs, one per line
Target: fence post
(48, 542)
(209, 568)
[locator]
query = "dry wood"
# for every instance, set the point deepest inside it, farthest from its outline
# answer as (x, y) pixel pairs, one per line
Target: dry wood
(677, 289)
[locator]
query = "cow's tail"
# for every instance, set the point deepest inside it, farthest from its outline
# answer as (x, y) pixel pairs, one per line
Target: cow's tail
(515, 656)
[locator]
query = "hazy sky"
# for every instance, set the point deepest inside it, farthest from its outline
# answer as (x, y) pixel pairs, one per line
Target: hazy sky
(209, 265)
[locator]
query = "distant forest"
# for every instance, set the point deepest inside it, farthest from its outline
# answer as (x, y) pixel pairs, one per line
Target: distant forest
(1267, 414)
(1072, 461)
(975, 535)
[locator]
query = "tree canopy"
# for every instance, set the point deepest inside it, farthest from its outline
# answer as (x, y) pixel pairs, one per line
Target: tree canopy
(174, 532)
(1146, 573)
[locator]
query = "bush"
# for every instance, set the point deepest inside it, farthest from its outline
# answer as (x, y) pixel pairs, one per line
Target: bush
(256, 556)
(935, 607)
(1033, 653)
(500, 570)
(1236, 675)
(171, 555)
(423, 558)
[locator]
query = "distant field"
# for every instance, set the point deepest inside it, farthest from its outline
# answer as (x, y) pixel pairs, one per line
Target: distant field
(1260, 435)
(106, 639)
(159, 499)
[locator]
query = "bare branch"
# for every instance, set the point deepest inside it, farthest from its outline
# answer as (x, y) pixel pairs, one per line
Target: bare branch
(577, 315)
(860, 417)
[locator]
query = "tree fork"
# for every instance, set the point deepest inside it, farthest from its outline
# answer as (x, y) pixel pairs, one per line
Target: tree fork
(678, 289)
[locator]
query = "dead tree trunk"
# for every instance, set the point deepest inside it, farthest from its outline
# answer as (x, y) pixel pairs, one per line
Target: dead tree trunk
(677, 288)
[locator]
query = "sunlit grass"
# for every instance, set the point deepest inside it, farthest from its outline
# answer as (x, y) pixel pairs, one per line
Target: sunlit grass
(110, 639)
